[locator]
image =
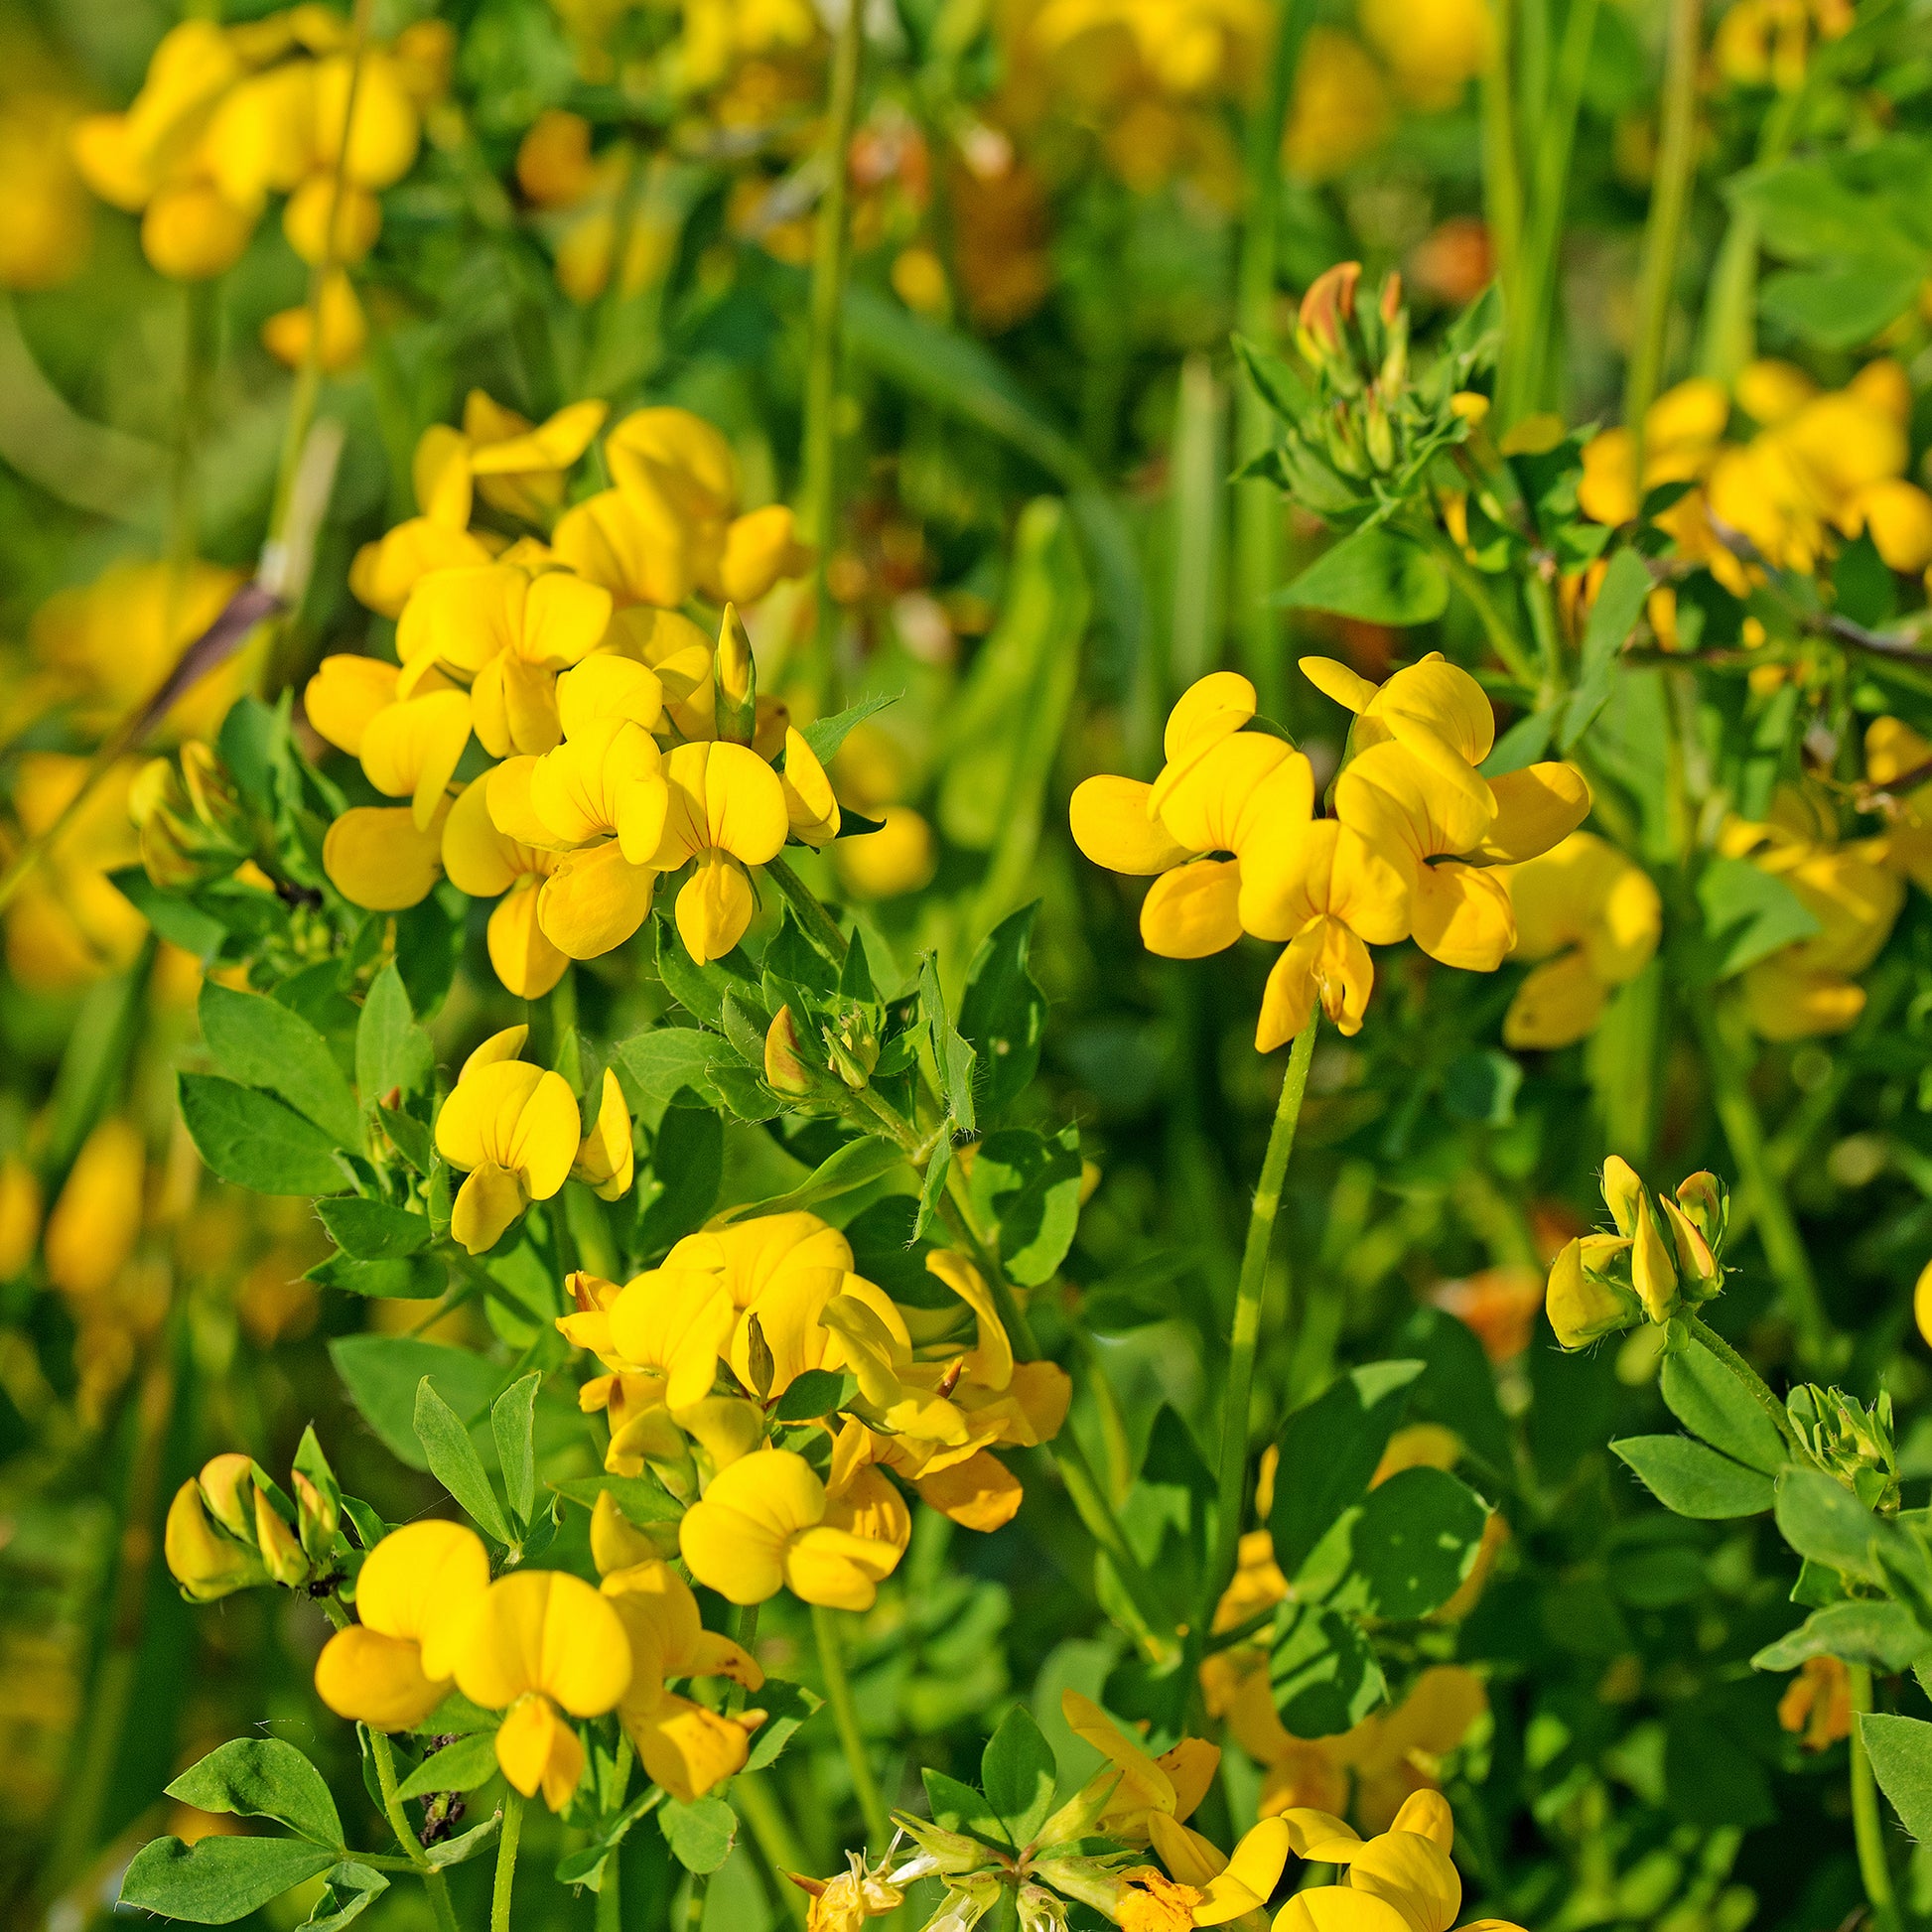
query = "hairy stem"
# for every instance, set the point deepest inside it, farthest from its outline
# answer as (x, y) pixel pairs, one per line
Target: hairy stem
(1245, 1340)
(434, 1881)
(1867, 1822)
(819, 924)
(506, 1880)
(844, 1715)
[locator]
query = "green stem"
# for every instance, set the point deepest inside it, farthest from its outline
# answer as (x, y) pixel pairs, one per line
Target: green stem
(1502, 636)
(610, 1909)
(1244, 1342)
(844, 1715)
(1669, 197)
(1502, 171)
(1867, 1822)
(748, 1638)
(499, 1892)
(694, 1905)
(434, 1882)
(1777, 1229)
(1752, 1383)
(829, 258)
(759, 1808)
(819, 924)
(1256, 502)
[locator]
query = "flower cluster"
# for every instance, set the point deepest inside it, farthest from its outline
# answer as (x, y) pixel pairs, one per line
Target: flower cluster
(701, 1353)
(231, 1528)
(619, 744)
(1665, 1258)
(1230, 833)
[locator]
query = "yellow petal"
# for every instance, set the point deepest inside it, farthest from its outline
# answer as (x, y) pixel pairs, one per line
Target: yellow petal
(1245, 787)
(545, 1630)
(734, 1539)
(420, 1582)
(505, 1045)
(1413, 1874)
(677, 1320)
(527, 961)
(378, 858)
(687, 1748)
(1559, 1004)
(1190, 1859)
(811, 811)
(837, 1569)
(1397, 803)
(604, 1157)
(1463, 916)
(485, 1205)
(1428, 1812)
(1337, 1909)
(1335, 680)
(714, 907)
(479, 860)
(1536, 808)
(1319, 1836)
(759, 549)
(1209, 709)
(344, 695)
(1193, 911)
(979, 1493)
(376, 1680)
(564, 620)
(606, 686)
(1114, 828)
(1324, 962)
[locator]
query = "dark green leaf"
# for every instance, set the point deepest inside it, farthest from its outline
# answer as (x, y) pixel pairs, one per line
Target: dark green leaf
(699, 1834)
(180, 923)
(1481, 1085)
(381, 1374)
(410, 1137)
(1748, 914)
(933, 1187)
(1882, 1635)
(957, 1807)
(1333, 1445)
(858, 1164)
(351, 1890)
(514, 1422)
(687, 1167)
(1900, 1749)
(454, 1461)
(1709, 1401)
(1693, 1480)
(263, 1043)
(217, 1879)
(251, 1139)
(1029, 1189)
(668, 1059)
(855, 976)
(1413, 1544)
(826, 735)
(392, 1052)
(463, 1766)
(1018, 1771)
(1619, 604)
(793, 957)
(1374, 575)
(816, 1392)
(1322, 1672)
(472, 1843)
(263, 1777)
(644, 1499)
(1004, 1014)
(951, 1054)
(785, 1707)
(1822, 1520)
(374, 1230)
(416, 1277)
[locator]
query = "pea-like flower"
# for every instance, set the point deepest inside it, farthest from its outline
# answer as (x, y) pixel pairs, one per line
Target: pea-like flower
(726, 813)
(761, 1527)
(486, 863)
(516, 1128)
(543, 1648)
(414, 1598)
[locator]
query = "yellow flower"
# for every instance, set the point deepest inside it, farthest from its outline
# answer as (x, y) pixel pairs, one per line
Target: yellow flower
(899, 857)
(1588, 919)
(90, 1233)
(1435, 47)
(46, 217)
(20, 1215)
(1227, 1887)
(339, 331)
(486, 863)
(1339, 111)
(1185, 46)
(727, 811)
(543, 1646)
(210, 1542)
(761, 1527)
(1139, 1787)
(1817, 1703)
(385, 571)
(1682, 432)
(346, 695)
(415, 1597)
(605, 1159)
(514, 1127)
(1403, 1880)
(520, 466)
(378, 858)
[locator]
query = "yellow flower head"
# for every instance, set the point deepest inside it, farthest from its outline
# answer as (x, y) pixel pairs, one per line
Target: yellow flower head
(543, 1646)
(761, 1527)
(486, 863)
(516, 1128)
(727, 811)
(415, 1597)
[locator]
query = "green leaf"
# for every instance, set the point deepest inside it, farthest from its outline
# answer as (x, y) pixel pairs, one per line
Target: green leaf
(1748, 915)
(1522, 744)
(933, 1187)
(1822, 1520)
(699, 1834)
(454, 1463)
(392, 1052)
(1413, 1544)
(382, 1372)
(1004, 1014)
(670, 1058)
(1693, 1480)
(1619, 604)
(351, 1890)
(785, 1707)
(1844, 306)
(644, 1499)
(217, 1879)
(855, 976)
(374, 1230)
(700, 990)
(463, 1766)
(957, 1807)
(1900, 1749)
(410, 1137)
(263, 1777)
(1334, 1445)
(858, 1164)
(1709, 1401)
(1018, 1772)
(1374, 575)
(951, 1054)
(263, 1043)
(1322, 1672)
(1481, 1085)
(793, 958)
(687, 1164)
(254, 1141)
(826, 735)
(816, 1392)
(415, 1278)
(472, 1843)
(1884, 1635)
(1029, 1188)
(514, 1422)
(179, 922)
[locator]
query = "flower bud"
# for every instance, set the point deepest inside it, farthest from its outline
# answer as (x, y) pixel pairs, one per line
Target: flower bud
(964, 1905)
(1583, 1302)
(1040, 1911)
(952, 1855)
(227, 1483)
(204, 1562)
(1621, 1191)
(1700, 1273)
(784, 1069)
(282, 1554)
(1652, 1272)
(193, 824)
(738, 681)
(1706, 1202)
(1087, 1881)
(317, 1517)
(1378, 433)
(1327, 307)
(854, 1043)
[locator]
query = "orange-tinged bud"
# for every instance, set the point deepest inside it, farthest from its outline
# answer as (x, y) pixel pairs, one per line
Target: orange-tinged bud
(1329, 305)
(281, 1554)
(784, 1069)
(1392, 297)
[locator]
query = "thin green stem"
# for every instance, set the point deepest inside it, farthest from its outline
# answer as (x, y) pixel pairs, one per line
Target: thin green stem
(819, 924)
(1867, 1822)
(829, 258)
(747, 1636)
(1502, 168)
(1256, 502)
(844, 1715)
(610, 1908)
(506, 1880)
(1777, 1228)
(1501, 634)
(694, 1905)
(434, 1881)
(1670, 197)
(759, 1808)
(1245, 1340)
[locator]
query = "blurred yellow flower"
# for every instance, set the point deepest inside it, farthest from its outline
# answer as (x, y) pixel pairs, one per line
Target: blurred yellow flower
(46, 217)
